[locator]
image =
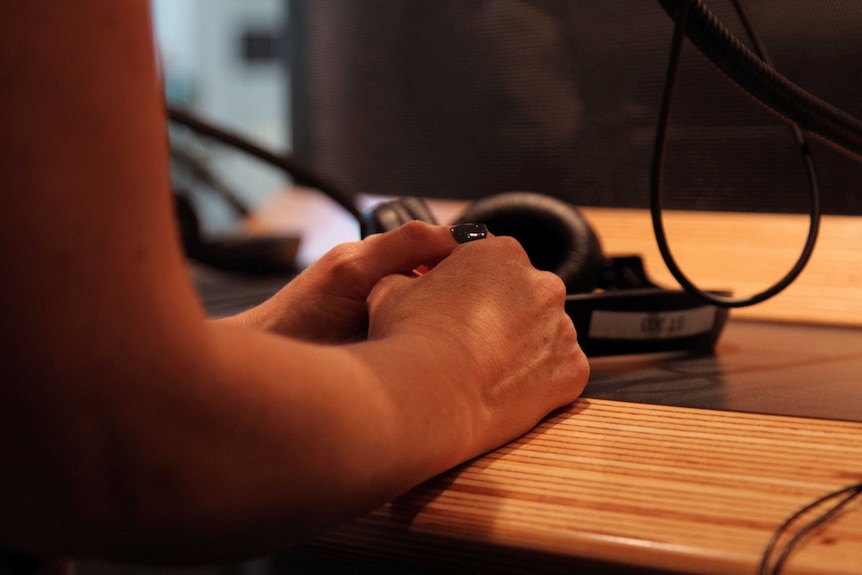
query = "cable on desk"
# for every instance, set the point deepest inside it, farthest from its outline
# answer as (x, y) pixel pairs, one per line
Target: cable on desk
(840, 498)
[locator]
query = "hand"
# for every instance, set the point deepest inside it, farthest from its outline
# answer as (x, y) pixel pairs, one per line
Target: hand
(327, 301)
(504, 325)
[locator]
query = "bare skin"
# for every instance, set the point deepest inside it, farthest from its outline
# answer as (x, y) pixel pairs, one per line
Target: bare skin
(133, 427)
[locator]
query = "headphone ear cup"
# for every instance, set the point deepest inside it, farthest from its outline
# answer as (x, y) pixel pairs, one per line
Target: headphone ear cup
(554, 234)
(387, 216)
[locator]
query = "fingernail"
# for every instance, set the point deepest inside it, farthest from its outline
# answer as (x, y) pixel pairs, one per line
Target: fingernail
(464, 233)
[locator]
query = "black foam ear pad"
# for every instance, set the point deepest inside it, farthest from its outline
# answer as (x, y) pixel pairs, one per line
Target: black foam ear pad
(554, 234)
(387, 216)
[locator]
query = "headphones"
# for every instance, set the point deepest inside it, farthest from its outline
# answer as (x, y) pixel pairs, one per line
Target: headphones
(616, 309)
(614, 306)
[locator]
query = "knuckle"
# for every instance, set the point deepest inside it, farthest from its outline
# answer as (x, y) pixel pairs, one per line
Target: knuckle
(574, 374)
(510, 244)
(506, 251)
(554, 284)
(585, 369)
(550, 287)
(345, 261)
(415, 232)
(582, 375)
(580, 360)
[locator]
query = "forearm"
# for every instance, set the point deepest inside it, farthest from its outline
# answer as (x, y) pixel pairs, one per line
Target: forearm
(322, 433)
(251, 443)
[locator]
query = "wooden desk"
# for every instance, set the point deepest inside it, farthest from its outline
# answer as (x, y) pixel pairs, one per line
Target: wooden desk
(609, 486)
(616, 486)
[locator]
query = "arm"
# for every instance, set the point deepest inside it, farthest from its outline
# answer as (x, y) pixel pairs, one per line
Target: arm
(130, 426)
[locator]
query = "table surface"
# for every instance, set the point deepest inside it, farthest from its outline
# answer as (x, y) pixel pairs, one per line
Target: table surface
(667, 464)
(615, 484)
(760, 367)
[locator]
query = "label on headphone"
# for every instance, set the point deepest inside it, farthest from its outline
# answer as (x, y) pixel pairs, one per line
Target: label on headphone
(642, 325)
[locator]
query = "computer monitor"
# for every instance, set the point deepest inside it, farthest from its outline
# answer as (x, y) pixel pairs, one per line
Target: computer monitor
(467, 98)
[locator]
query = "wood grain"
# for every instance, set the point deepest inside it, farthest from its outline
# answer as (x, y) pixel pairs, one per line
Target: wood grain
(666, 489)
(748, 252)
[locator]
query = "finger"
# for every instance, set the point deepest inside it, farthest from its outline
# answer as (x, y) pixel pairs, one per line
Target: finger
(388, 285)
(416, 245)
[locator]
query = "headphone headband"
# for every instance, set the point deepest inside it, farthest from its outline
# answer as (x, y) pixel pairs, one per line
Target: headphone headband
(644, 320)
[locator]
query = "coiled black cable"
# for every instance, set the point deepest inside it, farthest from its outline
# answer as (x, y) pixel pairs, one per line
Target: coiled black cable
(679, 33)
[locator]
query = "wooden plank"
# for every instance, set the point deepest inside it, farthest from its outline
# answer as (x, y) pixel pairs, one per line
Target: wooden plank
(747, 253)
(644, 486)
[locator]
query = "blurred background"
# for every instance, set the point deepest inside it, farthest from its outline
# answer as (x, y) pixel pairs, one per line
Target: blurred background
(465, 98)
(225, 60)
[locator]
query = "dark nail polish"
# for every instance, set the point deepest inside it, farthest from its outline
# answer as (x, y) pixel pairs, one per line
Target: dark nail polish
(464, 233)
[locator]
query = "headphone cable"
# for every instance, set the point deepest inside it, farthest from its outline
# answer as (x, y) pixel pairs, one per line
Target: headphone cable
(761, 80)
(301, 174)
(679, 33)
(841, 497)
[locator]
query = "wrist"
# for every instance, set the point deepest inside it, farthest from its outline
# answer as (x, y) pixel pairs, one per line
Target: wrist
(441, 406)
